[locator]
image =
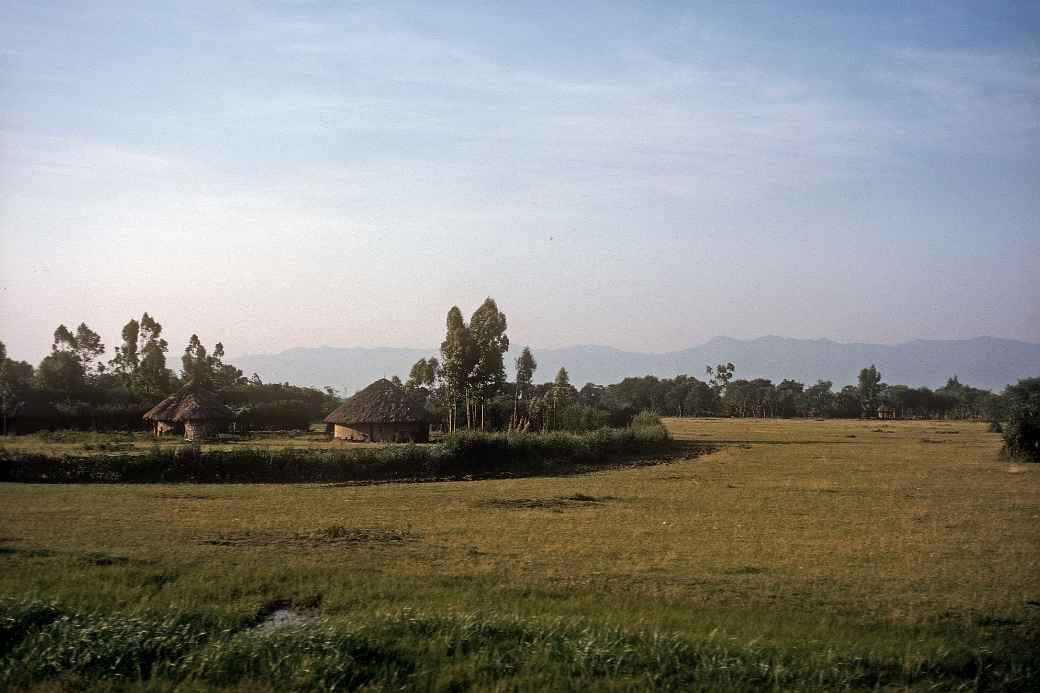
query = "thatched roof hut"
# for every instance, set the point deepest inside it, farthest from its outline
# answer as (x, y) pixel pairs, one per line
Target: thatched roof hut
(200, 411)
(161, 415)
(382, 411)
(164, 410)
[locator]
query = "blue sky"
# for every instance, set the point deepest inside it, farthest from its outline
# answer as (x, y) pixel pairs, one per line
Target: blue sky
(280, 174)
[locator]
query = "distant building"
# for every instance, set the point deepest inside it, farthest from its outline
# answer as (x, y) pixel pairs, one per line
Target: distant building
(382, 412)
(886, 412)
(200, 412)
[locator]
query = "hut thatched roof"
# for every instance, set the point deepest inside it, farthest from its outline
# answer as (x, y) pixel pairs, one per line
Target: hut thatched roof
(380, 402)
(201, 405)
(190, 404)
(164, 410)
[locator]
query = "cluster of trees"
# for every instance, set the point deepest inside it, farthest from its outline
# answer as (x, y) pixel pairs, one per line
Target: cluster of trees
(73, 387)
(467, 387)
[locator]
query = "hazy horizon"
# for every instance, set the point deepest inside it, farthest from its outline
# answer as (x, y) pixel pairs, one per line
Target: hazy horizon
(274, 175)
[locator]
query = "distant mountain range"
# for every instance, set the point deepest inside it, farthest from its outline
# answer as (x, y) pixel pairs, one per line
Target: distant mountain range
(985, 362)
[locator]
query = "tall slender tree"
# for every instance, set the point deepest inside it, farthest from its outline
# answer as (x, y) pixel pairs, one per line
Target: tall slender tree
(456, 364)
(195, 364)
(487, 330)
(561, 392)
(870, 389)
(128, 357)
(525, 368)
(88, 348)
(152, 375)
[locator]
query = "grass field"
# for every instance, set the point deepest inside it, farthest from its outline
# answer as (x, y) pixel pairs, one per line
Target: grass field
(803, 554)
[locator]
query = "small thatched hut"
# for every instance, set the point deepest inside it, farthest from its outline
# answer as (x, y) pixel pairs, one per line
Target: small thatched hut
(382, 412)
(200, 412)
(161, 415)
(203, 415)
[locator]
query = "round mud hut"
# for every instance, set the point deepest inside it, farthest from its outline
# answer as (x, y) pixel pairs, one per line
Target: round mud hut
(200, 412)
(161, 416)
(382, 412)
(203, 415)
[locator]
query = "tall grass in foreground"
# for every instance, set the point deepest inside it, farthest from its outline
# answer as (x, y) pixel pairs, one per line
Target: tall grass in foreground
(467, 454)
(409, 650)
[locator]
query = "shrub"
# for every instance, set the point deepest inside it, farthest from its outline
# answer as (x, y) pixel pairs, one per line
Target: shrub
(1022, 435)
(646, 418)
(1022, 430)
(468, 454)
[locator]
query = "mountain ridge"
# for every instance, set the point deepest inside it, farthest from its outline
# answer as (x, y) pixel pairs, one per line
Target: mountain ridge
(986, 362)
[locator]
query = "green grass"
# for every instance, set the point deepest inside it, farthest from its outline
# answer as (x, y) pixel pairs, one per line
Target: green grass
(802, 555)
(448, 652)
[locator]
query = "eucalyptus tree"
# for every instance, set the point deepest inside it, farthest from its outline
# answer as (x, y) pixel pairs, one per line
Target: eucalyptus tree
(128, 356)
(720, 376)
(525, 368)
(455, 364)
(152, 375)
(88, 347)
(487, 329)
(561, 393)
(870, 389)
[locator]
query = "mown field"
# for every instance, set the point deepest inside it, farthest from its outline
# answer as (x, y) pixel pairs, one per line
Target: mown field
(802, 554)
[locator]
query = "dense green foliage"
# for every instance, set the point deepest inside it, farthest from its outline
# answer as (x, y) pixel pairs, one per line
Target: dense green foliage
(464, 454)
(1022, 430)
(408, 650)
(71, 389)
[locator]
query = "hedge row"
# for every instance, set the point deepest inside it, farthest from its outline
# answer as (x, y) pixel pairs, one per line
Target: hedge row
(458, 456)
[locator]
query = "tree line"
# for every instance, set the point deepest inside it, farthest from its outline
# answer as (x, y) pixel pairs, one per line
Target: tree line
(465, 386)
(72, 387)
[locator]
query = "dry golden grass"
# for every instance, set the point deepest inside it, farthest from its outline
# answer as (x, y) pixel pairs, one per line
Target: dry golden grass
(795, 532)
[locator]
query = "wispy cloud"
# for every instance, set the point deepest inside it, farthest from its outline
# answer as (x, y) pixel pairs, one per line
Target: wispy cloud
(969, 99)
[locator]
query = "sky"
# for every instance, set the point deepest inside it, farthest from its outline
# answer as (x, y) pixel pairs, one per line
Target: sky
(642, 175)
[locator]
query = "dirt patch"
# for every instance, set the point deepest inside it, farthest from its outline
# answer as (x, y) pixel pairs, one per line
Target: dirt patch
(932, 442)
(326, 537)
(556, 504)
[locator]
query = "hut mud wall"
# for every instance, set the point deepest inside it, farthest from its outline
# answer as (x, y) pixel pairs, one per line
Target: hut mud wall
(383, 432)
(200, 430)
(161, 428)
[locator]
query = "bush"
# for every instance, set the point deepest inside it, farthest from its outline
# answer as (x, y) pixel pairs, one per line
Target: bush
(1022, 430)
(1022, 435)
(645, 419)
(468, 454)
